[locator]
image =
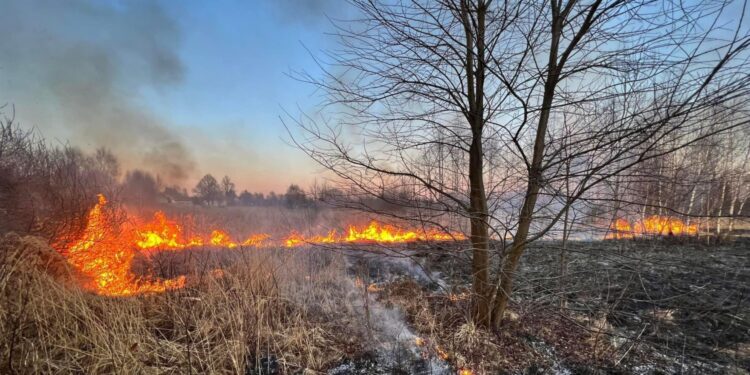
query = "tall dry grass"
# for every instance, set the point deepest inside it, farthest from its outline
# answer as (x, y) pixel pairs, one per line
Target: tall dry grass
(269, 310)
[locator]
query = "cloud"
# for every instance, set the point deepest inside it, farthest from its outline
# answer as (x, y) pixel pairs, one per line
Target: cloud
(78, 68)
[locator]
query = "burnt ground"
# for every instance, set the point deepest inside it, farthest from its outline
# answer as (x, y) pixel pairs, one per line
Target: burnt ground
(664, 306)
(681, 307)
(645, 307)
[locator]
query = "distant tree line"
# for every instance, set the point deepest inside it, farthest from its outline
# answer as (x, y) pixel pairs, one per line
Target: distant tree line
(48, 190)
(211, 192)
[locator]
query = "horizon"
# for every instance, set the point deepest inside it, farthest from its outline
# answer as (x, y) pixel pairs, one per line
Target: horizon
(169, 88)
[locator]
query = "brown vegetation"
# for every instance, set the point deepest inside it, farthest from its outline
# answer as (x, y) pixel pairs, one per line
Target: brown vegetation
(281, 309)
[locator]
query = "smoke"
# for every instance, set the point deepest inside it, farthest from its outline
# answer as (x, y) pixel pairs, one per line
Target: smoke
(85, 86)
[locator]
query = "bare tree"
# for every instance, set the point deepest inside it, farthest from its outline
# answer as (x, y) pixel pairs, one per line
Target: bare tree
(462, 100)
(227, 188)
(208, 189)
(47, 190)
(295, 197)
(140, 187)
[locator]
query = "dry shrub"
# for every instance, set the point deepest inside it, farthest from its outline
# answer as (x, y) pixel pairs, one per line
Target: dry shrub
(270, 308)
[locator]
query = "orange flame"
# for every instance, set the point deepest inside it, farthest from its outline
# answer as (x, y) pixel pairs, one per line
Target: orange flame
(294, 239)
(161, 233)
(654, 225)
(99, 254)
(219, 238)
(373, 233)
(106, 256)
(256, 240)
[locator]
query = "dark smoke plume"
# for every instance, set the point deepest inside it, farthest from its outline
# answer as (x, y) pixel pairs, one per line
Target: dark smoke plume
(84, 86)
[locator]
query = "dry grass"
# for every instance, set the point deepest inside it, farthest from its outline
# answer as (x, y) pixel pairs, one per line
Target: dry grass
(529, 339)
(270, 308)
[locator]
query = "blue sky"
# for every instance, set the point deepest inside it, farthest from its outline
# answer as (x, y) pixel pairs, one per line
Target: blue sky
(237, 56)
(181, 88)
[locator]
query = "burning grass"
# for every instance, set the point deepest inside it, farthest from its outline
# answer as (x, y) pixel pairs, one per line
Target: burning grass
(230, 307)
(236, 306)
(654, 225)
(312, 310)
(276, 306)
(105, 250)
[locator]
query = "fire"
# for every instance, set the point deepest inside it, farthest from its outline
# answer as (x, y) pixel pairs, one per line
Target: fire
(256, 240)
(665, 226)
(105, 258)
(376, 232)
(160, 233)
(219, 238)
(294, 239)
(331, 237)
(372, 233)
(620, 229)
(438, 350)
(105, 255)
(652, 225)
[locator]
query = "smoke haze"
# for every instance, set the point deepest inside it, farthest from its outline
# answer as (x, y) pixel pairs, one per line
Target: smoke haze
(89, 82)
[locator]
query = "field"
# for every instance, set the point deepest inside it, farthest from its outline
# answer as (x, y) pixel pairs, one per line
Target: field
(622, 307)
(362, 187)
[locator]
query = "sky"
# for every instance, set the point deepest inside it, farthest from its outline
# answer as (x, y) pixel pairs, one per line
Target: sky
(179, 88)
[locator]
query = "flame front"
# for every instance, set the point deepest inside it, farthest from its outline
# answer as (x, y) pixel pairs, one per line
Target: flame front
(105, 256)
(219, 238)
(256, 240)
(161, 232)
(654, 225)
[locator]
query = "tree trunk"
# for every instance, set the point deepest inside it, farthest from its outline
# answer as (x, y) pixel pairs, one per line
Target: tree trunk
(563, 264)
(479, 237)
(730, 227)
(708, 213)
(510, 263)
(567, 225)
(690, 205)
(615, 210)
(739, 212)
(659, 201)
(721, 207)
(736, 200)
(475, 75)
